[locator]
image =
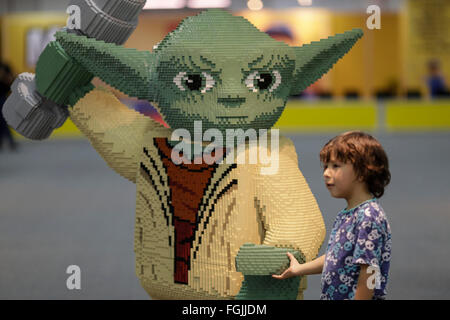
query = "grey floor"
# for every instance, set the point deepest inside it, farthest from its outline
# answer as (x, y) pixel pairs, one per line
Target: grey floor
(61, 205)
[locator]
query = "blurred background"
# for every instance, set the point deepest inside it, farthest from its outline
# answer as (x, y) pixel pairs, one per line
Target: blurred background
(60, 204)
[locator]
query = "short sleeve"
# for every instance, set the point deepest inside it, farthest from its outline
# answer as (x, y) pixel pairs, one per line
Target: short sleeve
(369, 238)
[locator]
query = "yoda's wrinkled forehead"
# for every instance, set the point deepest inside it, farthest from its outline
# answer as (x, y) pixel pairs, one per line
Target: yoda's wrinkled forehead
(218, 32)
(235, 61)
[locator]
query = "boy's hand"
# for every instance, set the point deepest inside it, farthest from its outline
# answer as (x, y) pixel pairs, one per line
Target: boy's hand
(293, 270)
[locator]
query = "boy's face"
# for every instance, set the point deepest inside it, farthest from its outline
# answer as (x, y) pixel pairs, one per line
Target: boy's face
(340, 178)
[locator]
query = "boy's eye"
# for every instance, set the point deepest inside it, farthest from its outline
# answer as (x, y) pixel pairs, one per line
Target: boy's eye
(194, 81)
(261, 81)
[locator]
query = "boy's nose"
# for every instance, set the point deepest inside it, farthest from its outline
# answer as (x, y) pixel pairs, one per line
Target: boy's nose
(326, 177)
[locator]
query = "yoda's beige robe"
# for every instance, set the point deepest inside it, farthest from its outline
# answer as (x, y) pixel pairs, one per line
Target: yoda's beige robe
(190, 253)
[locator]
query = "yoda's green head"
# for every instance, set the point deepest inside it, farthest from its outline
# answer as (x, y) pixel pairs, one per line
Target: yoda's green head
(214, 67)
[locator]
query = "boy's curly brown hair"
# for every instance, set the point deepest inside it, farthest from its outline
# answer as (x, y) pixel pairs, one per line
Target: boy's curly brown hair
(366, 155)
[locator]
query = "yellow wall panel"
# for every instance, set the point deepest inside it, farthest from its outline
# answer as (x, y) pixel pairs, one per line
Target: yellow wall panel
(386, 58)
(425, 30)
(420, 115)
(14, 29)
(325, 116)
(350, 72)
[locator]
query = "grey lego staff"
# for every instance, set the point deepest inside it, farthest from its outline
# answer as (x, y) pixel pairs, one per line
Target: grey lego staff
(37, 104)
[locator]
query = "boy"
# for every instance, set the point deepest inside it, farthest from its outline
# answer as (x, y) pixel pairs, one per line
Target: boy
(355, 168)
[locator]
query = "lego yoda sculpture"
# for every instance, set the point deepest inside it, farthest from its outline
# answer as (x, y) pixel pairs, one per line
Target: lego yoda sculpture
(204, 229)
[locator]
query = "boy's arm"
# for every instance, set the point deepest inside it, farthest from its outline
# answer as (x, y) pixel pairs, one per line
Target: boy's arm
(313, 267)
(362, 290)
(114, 130)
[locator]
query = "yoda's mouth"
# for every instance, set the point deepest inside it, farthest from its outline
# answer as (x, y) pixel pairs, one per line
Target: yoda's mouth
(231, 102)
(241, 117)
(232, 119)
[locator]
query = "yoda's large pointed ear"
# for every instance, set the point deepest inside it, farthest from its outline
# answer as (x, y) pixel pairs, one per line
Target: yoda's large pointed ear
(315, 59)
(127, 70)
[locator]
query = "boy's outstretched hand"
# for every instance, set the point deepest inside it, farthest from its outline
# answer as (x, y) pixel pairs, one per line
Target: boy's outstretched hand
(293, 270)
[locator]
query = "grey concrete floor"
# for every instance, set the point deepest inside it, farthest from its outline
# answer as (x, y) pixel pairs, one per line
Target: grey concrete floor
(61, 205)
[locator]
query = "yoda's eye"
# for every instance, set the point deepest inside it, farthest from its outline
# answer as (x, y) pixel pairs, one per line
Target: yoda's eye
(194, 81)
(264, 81)
(261, 81)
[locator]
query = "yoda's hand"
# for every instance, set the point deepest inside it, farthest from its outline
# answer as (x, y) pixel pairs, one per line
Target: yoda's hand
(258, 263)
(29, 113)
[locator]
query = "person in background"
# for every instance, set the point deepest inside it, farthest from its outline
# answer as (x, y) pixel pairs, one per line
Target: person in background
(6, 79)
(435, 80)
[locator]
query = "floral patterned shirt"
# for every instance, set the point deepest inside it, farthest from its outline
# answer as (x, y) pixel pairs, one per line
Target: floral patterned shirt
(360, 235)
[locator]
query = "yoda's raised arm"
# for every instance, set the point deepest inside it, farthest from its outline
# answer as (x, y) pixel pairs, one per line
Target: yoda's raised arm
(37, 105)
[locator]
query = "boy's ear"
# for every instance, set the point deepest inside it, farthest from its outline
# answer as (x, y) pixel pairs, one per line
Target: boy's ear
(315, 59)
(127, 70)
(360, 178)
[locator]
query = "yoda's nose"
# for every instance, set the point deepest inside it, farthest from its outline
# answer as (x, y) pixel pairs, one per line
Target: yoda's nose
(231, 102)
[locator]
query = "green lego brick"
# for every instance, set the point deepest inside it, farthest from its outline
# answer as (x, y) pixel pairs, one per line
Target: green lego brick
(268, 288)
(69, 74)
(264, 260)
